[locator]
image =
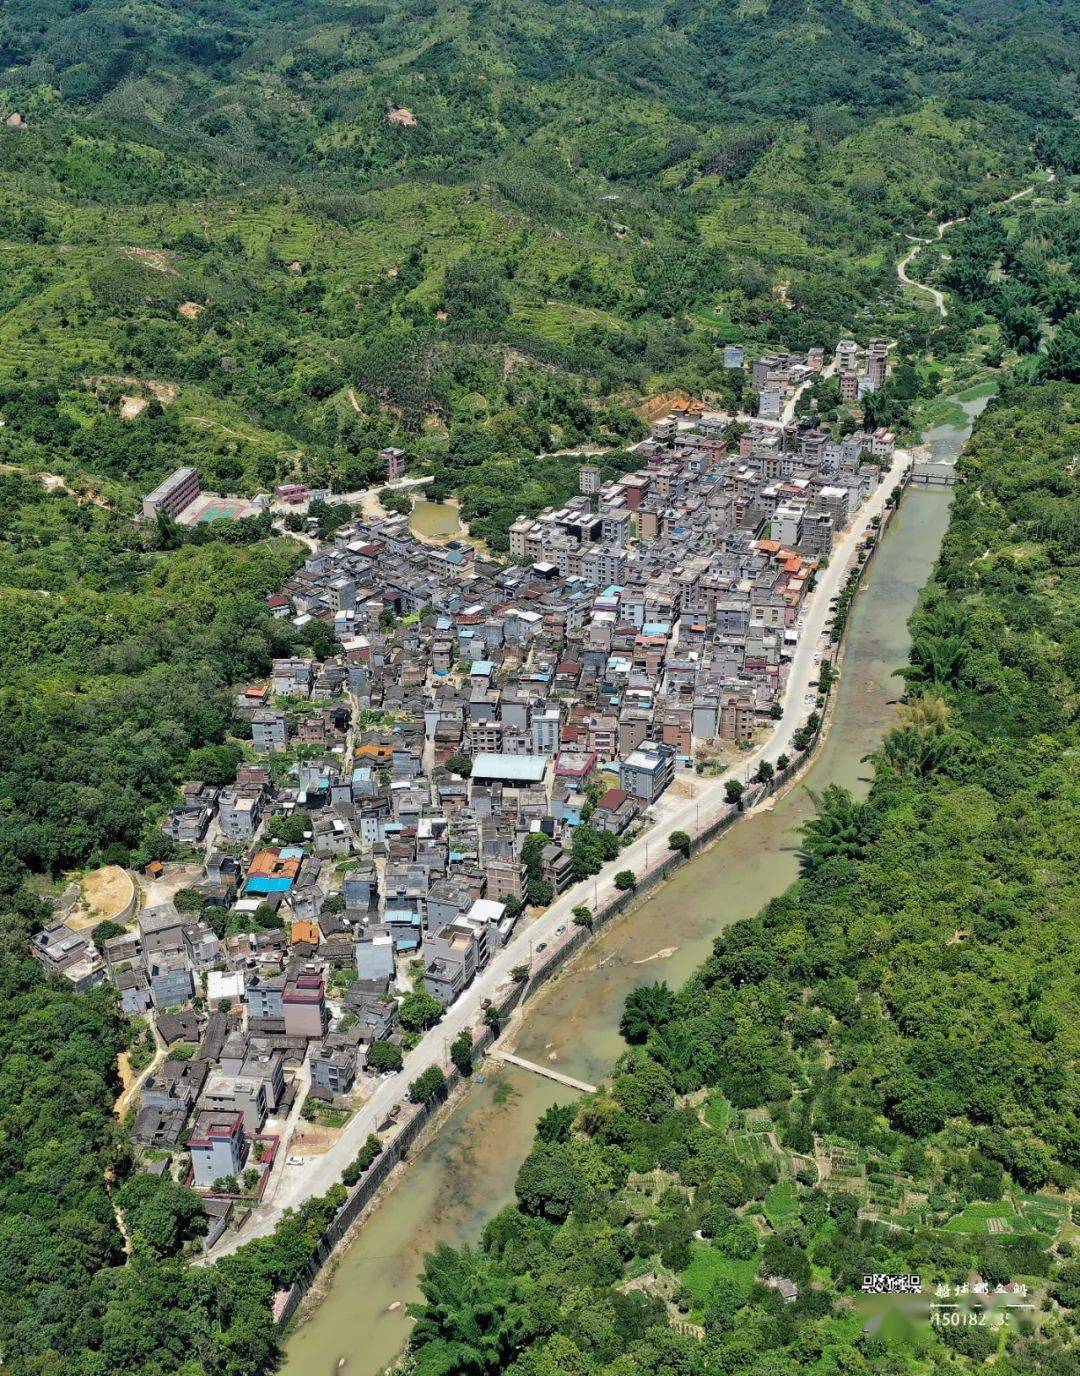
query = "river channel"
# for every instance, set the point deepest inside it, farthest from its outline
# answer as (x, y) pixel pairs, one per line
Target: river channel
(467, 1173)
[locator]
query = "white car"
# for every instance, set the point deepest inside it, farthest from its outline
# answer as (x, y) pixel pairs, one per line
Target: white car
(294, 1161)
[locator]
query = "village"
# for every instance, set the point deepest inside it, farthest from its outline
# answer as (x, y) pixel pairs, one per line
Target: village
(419, 812)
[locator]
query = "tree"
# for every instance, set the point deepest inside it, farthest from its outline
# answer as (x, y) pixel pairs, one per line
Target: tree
(625, 880)
(419, 1010)
(519, 974)
(647, 1007)
(427, 1084)
(539, 892)
(587, 851)
(733, 791)
(160, 1215)
(549, 1183)
(363, 1160)
(679, 840)
(290, 830)
(765, 772)
(842, 828)
(1062, 358)
(461, 1051)
(582, 915)
(392, 499)
(460, 764)
(105, 931)
(554, 1123)
(782, 761)
(724, 1301)
(215, 765)
(384, 1057)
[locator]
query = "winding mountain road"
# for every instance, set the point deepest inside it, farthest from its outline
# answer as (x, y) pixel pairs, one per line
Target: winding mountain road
(939, 296)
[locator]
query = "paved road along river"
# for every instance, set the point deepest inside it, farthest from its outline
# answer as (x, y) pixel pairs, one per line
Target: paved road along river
(467, 1173)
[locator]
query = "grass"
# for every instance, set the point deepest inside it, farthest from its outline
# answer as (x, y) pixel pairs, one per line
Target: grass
(940, 411)
(718, 1112)
(752, 1147)
(980, 389)
(782, 1204)
(976, 1218)
(707, 1266)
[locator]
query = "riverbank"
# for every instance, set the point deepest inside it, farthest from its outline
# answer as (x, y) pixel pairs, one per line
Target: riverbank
(466, 1173)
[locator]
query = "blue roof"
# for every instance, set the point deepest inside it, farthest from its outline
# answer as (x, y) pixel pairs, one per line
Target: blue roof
(481, 666)
(292, 852)
(263, 883)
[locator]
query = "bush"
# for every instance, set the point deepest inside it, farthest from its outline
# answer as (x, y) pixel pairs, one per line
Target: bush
(362, 1160)
(679, 840)
(625, 880)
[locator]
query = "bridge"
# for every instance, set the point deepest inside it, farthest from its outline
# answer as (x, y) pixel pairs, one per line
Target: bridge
(935, 475)
(544, 1070)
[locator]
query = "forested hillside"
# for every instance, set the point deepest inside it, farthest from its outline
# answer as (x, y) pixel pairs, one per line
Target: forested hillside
(213, 205)
(876, 1074)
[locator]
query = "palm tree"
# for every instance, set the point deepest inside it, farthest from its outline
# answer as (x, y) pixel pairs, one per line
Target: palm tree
(472, 1321)
(913, 753)
(939, 645)
(841, 828)
(646, 1007)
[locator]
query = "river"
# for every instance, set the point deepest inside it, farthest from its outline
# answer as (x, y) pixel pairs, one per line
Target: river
(467, 1173)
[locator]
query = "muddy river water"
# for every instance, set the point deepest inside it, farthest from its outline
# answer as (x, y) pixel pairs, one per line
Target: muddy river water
(467, 1173)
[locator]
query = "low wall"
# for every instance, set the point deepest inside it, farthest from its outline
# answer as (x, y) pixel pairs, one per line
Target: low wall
(397, 1147)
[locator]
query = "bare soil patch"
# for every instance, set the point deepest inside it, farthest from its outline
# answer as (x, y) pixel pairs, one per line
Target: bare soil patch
(105, 895)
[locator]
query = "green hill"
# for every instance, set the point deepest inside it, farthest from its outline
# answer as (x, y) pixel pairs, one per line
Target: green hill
(584, 201)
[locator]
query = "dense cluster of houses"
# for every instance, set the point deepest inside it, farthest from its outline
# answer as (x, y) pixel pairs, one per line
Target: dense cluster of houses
(471, 705)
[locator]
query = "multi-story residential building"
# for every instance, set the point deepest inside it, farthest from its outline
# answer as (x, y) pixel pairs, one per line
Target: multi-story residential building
(218, 1146)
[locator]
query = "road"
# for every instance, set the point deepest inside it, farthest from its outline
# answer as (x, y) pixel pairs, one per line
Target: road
(363, 497)
(901, 267)
(939, 297)
(787, 415)
(128, 1096)
(691, 814)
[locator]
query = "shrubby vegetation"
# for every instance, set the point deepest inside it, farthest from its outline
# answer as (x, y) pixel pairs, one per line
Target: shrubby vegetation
(880, 1062)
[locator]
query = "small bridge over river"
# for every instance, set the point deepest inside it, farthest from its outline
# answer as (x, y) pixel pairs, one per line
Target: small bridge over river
(934, 475)
(544, 1070)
